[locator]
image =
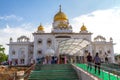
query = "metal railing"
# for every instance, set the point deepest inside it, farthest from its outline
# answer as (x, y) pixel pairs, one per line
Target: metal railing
(26, 73)
(106, 73)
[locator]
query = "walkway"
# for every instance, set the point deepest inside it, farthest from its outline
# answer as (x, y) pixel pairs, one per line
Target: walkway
(103, 75)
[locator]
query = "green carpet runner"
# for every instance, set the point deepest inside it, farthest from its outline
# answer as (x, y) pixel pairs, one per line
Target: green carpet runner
(53, 72)
(103, 75)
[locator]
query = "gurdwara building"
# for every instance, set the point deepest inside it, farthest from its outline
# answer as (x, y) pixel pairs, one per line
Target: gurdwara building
(47, 44)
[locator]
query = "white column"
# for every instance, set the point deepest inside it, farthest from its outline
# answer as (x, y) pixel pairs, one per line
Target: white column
(112, 53)
(10, 53)
(26, 55)
(35, 48)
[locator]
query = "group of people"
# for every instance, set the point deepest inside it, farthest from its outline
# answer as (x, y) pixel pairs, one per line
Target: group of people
(50, 60)
(96, 60)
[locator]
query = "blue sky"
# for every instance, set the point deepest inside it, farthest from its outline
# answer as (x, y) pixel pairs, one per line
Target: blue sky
(22, 17)
(42, 11)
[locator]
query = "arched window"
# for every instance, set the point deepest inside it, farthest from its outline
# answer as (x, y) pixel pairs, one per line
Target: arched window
(49, 41)
(39, 41)
(13, 52)
(39, 51)
(23, 39)
(109, 51)
(39, 55)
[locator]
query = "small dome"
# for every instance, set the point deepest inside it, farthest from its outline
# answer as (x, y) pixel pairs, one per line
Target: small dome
(83, 28)
(49, 52)
(60, 16)
(40, 28)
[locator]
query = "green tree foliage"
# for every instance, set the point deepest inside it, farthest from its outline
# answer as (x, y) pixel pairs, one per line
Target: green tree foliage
(3, 56)
(117, 56)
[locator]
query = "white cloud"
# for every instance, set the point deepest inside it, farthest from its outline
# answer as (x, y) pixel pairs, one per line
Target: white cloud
(11, 17)
(15, 32)
(48, 28)
(101, 22)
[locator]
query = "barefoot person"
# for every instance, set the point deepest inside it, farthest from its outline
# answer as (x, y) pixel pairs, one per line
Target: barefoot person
(89, 60)
(97, 62)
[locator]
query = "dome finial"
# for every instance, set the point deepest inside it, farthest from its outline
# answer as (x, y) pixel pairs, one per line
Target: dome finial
(40, 23)
(60, 16)
(60, 8)
(83, 23)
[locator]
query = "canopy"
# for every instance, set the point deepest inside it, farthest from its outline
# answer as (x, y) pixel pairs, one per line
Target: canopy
(72, 46)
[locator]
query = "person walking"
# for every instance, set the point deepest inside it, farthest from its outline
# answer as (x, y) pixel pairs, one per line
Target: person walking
(89, 61)
(97, 62)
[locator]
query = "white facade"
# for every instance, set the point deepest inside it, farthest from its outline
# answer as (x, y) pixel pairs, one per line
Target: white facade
(20, 52)
(23, 51)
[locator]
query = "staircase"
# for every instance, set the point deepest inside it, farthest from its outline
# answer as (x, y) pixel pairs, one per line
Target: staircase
(53, 72)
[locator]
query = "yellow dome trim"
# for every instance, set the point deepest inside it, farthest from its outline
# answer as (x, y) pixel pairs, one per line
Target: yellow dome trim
(40, 28)
(60, 16)
(83, 28)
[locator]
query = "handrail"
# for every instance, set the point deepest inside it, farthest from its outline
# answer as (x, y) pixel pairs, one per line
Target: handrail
(104, 72)
(30, 68)
(27, 72)
(103, 67)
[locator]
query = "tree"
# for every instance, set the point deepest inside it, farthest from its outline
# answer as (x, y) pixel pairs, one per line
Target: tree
(3, 56)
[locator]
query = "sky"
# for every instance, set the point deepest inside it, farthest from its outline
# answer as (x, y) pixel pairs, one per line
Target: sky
(22, 17)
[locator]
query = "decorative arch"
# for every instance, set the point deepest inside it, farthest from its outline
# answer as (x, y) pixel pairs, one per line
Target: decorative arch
(99, 38)
(23, 39)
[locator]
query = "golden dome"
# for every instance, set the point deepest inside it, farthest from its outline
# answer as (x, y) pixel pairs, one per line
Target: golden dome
(60, 16)
(83, 28)
(40, 28)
